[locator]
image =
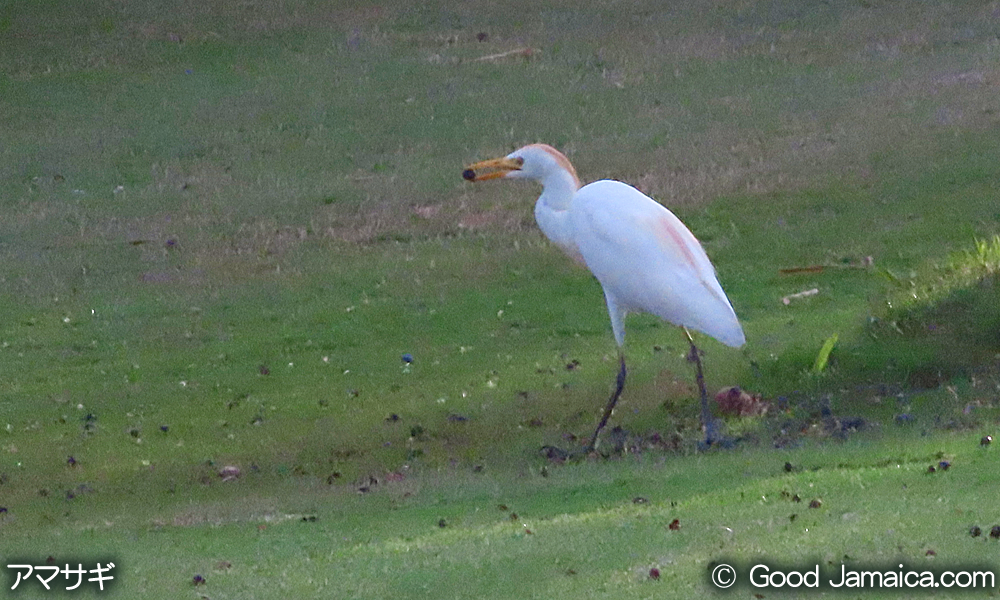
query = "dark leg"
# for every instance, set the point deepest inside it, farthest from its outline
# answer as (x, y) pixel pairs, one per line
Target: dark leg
(706, 414)
(620, 385)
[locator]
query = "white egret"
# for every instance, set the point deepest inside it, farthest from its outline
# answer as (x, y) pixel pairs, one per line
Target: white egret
(643, 256)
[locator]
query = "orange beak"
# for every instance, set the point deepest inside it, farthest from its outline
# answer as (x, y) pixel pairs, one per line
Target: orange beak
(491, 169)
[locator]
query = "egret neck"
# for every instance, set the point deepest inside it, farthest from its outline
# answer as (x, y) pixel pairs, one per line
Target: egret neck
(552, 210)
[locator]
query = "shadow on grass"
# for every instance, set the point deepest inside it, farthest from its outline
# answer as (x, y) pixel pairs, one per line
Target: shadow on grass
(928, 361)
(947, 329)
(949, 338)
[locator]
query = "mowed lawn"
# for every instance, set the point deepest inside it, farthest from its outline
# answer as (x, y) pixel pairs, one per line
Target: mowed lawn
(222, 226)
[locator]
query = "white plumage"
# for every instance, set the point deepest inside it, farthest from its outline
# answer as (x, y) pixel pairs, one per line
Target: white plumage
(642, 254)
(648, 261)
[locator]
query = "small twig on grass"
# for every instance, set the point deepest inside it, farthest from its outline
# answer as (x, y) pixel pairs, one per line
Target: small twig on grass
(788, 299)
(864, 264)
(525, 52)
(810, 269)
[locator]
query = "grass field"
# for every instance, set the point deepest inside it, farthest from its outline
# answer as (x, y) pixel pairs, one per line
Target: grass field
(222, 224)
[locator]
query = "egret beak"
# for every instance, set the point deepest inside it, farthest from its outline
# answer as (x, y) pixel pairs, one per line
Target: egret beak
(494, 168)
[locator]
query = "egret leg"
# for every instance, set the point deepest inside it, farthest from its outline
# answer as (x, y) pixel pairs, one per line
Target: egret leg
(619, 386)
(706, 414)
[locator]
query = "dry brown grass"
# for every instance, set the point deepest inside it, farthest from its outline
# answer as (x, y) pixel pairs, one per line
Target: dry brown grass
(684, 107)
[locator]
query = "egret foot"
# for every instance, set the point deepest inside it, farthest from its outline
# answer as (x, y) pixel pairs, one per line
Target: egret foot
(711, 432)
(555, 454)
(559, 456)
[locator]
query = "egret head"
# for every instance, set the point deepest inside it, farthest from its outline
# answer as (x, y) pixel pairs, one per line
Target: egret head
(540, 162)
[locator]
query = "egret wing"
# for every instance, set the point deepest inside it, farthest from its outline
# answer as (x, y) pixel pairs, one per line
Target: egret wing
(648, 260)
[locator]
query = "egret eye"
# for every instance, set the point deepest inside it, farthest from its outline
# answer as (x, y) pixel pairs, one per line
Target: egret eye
(519, 161)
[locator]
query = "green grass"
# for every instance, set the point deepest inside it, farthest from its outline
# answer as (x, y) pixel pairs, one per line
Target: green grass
(594, 530)
(221, 225)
